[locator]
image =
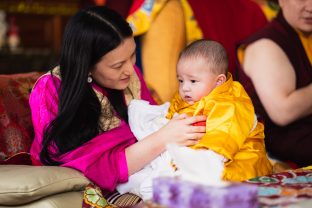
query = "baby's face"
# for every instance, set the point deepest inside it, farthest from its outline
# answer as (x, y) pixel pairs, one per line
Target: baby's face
(195, 79)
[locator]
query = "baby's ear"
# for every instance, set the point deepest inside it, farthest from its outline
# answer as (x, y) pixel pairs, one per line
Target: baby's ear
(221, 78)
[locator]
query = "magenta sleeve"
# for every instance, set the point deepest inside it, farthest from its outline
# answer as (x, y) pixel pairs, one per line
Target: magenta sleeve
(102, 159)
(43, 103)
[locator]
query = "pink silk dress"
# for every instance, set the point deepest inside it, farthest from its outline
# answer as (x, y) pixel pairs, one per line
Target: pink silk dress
(102, 159)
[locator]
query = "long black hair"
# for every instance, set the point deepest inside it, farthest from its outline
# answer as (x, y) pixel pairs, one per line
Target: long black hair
(88, 36)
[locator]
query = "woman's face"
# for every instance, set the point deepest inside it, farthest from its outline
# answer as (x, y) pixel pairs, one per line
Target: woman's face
(115, 68)
(298, 14)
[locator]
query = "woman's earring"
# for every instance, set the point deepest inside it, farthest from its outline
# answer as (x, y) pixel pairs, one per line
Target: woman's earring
(89, 79)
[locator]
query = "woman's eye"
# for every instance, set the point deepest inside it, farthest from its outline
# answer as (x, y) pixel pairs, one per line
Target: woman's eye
(117, 66)
(181, 81)
(193, 81)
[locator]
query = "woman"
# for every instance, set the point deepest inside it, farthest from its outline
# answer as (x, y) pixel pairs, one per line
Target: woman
(79, 109)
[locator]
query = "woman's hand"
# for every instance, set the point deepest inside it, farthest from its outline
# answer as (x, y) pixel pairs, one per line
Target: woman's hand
(180, 130)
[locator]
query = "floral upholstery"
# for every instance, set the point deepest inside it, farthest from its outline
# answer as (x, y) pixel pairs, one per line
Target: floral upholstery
(16, 131)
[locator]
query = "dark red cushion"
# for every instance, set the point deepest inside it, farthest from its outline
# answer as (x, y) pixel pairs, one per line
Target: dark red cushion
(16, 132)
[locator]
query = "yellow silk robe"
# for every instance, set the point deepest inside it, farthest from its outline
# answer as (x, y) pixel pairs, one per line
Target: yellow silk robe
(231, 130)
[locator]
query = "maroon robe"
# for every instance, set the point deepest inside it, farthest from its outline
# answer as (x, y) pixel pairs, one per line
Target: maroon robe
(294, 141)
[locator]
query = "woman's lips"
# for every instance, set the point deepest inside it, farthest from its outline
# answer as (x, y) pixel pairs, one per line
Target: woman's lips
(125, 79)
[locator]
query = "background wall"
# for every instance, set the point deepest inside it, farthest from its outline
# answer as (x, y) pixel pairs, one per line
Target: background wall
(38, 26)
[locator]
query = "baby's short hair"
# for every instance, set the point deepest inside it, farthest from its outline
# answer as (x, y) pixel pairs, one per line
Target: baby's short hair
(213, 52)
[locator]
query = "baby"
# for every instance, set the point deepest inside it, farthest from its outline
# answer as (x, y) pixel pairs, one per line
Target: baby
(233, 136)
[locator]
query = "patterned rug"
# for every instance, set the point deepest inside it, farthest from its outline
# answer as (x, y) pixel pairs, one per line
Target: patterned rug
(284, 188)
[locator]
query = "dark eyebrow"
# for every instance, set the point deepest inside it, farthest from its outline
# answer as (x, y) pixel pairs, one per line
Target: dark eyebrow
(121, 62)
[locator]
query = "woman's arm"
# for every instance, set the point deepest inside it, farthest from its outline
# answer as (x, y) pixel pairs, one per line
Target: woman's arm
(179, 130)
(102, 159)
(275, 82)
(43, 102)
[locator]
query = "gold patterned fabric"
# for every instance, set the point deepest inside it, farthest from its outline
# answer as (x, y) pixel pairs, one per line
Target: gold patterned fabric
(231, 130)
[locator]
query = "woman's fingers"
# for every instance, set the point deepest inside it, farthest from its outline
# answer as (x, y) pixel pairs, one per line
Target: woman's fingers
(190, 142)
(196, 136)
(180, 130)
(181, 116)
(200, 129)
(195, 119)
(190, 119)
(194, 139)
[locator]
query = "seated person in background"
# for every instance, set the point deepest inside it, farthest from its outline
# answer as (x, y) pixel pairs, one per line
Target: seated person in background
(207, 88)
(277, 74)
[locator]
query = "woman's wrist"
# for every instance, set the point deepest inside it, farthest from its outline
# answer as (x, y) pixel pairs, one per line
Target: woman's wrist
(144, 151)
(158, 141)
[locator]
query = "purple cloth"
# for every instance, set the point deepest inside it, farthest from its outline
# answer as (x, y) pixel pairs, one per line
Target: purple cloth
(102, 159)
(175, 193)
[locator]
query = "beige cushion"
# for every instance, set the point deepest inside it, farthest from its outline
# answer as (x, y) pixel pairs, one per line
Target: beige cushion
(71, 199)
(20, 184)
